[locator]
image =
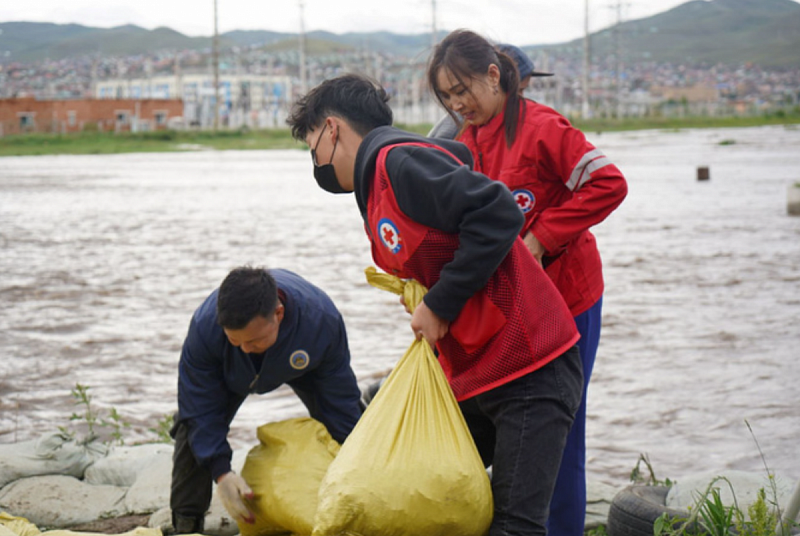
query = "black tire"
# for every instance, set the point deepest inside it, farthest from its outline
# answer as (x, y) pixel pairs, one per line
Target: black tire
(635, 509)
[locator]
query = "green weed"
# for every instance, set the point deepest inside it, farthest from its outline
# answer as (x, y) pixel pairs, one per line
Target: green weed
(107, 426)
(599, 530)
(93, 420)
(709, 516)
(162, 429)
(637, 477)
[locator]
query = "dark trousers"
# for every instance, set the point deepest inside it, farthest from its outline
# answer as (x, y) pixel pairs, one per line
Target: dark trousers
(520, 429)
(568, 507)
(190, 494)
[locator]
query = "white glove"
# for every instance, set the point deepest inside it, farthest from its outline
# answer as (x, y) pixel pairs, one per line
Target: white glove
(233, 490)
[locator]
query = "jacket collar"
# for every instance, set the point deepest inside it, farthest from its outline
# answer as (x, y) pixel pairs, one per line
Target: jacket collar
(490, 131)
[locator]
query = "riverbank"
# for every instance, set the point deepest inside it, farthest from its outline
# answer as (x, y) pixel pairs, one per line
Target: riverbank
(54, 483)
(197, 140)
(95, 488)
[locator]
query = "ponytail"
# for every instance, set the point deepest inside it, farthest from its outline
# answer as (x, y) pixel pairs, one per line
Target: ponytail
(509, 81)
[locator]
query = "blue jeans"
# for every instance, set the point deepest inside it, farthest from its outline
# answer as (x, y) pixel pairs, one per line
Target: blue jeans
(520, 429)
(568, 508)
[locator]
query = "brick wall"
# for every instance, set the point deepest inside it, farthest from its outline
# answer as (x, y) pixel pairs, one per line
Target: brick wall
(117, 115)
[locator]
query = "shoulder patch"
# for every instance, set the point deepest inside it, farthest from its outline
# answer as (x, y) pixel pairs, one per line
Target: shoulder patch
(299, 359)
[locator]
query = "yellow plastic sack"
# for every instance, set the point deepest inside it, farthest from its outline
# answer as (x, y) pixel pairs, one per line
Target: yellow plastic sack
(19, 526)
(410, 466)
(284, 471)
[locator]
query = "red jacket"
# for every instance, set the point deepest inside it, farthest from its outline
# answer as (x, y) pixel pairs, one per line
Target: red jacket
(513, 325)
(562, 184)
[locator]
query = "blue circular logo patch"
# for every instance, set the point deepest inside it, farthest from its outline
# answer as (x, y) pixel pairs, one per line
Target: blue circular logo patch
(299, 359)
(389, 235)
(525, 200)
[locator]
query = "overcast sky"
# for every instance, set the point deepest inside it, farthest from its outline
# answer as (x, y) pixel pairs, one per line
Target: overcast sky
(522, 22)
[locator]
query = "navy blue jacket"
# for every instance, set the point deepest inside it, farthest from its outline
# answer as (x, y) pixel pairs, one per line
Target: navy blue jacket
(311, 355)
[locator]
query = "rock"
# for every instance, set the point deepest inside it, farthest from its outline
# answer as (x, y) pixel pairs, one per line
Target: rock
(61, 501)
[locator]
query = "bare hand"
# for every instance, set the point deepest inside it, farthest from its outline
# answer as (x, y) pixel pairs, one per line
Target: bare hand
(534, 246)
(233, 490)
(425, 323)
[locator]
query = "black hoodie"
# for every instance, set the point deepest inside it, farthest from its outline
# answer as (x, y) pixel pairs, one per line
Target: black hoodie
(435, 190)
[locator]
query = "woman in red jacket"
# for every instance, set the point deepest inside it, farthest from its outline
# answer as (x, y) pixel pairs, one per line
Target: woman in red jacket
(563, 186)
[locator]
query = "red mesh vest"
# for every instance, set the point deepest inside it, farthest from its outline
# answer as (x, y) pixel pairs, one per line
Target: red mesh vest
(517, 323)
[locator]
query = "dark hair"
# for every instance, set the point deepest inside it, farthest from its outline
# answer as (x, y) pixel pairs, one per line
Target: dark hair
(468, 55)
(361, 102)
(244, 294)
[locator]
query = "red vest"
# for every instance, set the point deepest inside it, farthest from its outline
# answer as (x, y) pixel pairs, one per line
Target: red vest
(517, 323)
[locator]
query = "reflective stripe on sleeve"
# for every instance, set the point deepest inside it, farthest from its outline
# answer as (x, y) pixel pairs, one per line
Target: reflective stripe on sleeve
(591, 161)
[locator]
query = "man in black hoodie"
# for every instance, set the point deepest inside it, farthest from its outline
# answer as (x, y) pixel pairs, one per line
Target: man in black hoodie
(505, 337)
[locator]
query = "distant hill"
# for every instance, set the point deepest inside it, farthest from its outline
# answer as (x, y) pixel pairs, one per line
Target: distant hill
(766, 32)
(387, 42)
(34, 41)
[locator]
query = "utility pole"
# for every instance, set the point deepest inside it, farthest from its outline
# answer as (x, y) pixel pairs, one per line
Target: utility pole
(433, 25)
(93, 86)
(618, 59)
(178, 78)
(618, 66)
(586, 111)
(303, 74)
(215, 56)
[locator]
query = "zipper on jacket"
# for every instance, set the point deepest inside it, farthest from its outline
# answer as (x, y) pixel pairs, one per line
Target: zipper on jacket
(480, 160)
(253, 384)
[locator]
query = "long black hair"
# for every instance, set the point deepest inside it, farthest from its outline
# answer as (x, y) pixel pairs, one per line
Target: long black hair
(468, 56)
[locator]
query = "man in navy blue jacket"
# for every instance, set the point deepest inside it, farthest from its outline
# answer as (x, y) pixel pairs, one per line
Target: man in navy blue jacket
(261, 329)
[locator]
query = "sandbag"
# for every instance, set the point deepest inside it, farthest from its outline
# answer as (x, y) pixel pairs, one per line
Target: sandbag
(123, 464)
(61, 500)
(410, 466)
(284, 471)
(52, 454)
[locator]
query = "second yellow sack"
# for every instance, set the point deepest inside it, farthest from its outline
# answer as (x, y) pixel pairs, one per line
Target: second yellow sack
(284, 471)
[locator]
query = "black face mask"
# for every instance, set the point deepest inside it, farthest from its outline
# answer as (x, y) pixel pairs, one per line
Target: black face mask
(325, 174)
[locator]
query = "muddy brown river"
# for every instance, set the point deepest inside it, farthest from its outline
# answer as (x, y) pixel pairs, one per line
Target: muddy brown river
(103, 259)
